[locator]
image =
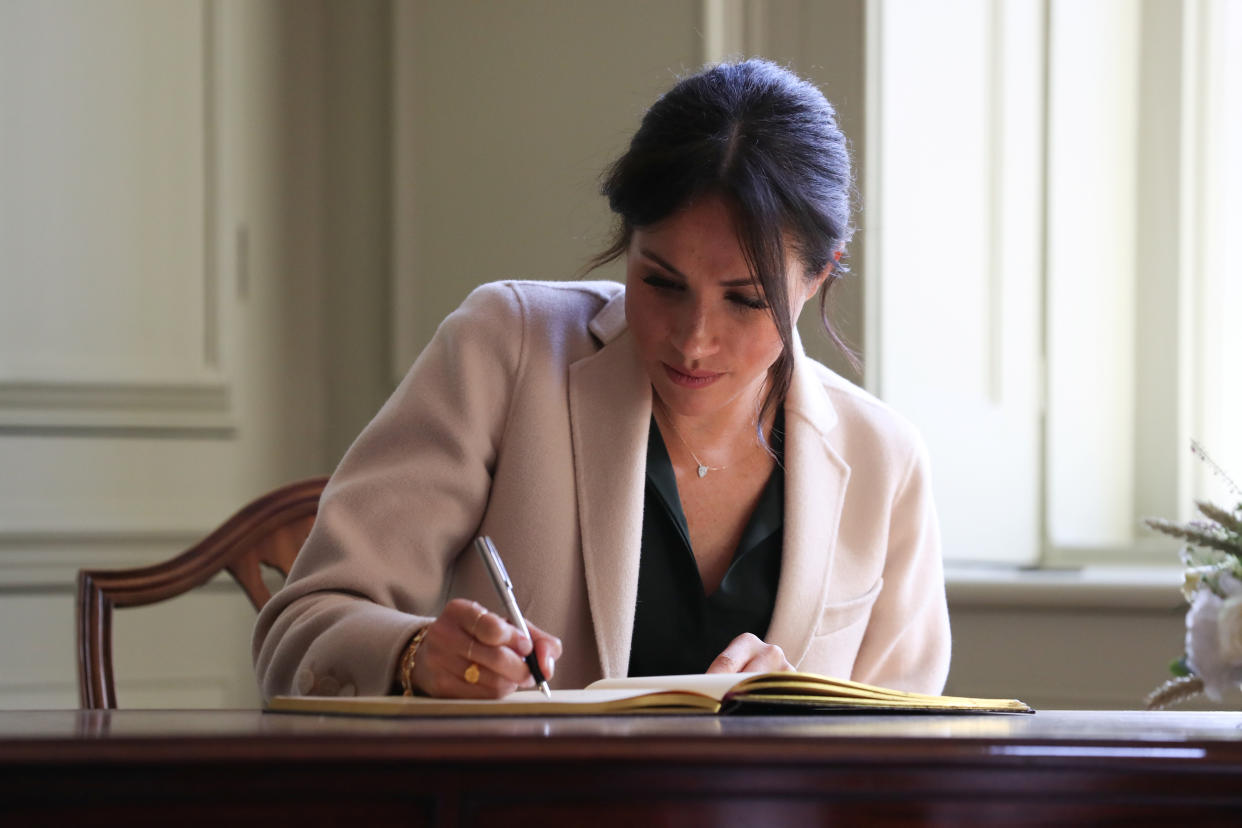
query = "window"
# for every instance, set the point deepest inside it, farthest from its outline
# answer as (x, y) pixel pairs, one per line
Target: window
(1053, 279)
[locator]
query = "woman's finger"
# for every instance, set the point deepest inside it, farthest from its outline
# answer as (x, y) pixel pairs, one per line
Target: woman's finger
(735, 656)
(748, 653)
(467, 634)
(443, 668)
(494, 643)
(487, 627)
(493, 630)
(547, 649)
(770, 658)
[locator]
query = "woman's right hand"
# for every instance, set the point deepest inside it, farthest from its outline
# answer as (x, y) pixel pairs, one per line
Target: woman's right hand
(468, 642)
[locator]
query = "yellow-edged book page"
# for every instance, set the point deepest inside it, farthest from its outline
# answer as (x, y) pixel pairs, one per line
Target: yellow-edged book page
(811, 691)
(699, 693)
(522, 703)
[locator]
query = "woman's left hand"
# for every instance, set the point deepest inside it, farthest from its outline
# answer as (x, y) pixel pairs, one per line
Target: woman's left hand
(748, 653)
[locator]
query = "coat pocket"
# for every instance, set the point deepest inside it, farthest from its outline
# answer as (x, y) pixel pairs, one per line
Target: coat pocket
(837, 617)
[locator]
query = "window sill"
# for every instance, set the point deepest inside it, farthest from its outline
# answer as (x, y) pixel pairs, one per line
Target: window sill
(1086, 588)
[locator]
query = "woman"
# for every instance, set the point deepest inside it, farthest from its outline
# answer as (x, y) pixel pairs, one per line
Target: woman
(674, 485)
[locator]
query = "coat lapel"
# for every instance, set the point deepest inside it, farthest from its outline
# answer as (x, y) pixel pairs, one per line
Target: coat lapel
(609, 413)
(815, 482)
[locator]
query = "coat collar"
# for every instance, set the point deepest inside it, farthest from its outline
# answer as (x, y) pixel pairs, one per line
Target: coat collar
(816, 478)
(610, 412)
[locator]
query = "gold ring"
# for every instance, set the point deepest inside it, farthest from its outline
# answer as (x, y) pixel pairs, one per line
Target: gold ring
(474, 626)
(472, 674)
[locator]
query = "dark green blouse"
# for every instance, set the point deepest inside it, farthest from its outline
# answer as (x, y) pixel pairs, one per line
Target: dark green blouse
(677, 628)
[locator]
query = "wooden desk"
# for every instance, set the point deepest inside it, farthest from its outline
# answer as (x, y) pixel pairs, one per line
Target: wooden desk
(193, 767)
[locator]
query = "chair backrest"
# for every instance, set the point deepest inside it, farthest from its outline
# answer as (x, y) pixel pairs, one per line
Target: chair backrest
(269, 530)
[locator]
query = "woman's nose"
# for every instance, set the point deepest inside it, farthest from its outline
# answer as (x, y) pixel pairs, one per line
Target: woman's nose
(695, 335)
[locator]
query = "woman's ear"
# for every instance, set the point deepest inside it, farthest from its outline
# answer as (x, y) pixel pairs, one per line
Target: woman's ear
(813, 285)
(831, 266)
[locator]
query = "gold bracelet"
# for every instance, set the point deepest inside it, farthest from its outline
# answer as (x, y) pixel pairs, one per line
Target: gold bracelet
(406, 671)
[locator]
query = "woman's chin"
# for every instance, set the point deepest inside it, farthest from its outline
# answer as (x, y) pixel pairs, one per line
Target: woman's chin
(686, 402)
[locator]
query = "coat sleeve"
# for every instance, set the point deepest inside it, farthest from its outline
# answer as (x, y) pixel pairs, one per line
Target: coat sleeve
(404, 502)
(907, 643)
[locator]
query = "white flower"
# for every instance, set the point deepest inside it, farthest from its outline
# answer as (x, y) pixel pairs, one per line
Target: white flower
(1192, 579)
(1229, 630)
(1204, 654)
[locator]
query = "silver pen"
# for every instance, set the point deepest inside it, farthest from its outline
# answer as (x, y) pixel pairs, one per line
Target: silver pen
(504, 588)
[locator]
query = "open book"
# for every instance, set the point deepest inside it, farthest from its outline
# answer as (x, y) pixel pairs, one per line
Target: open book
(724, 693)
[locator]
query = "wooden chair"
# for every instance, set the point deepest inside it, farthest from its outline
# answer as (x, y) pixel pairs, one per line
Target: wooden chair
(270, 530)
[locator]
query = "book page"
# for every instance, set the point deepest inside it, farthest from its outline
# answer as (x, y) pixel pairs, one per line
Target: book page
(696, 693)
(522, 702)
(814, 684)
(715, 685)
(790, 687)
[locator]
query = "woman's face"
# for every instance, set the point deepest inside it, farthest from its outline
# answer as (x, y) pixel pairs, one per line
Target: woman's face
(704, 333)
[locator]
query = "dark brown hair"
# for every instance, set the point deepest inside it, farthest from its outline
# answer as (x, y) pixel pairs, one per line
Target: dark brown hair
(768, 142)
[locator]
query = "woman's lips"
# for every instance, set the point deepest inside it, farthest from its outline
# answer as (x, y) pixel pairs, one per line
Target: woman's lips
(690, 379)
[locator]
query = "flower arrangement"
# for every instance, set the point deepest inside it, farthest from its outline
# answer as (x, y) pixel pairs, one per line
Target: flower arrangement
(1212, 663)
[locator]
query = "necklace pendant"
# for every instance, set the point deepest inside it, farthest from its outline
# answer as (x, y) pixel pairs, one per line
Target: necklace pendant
(702, 470)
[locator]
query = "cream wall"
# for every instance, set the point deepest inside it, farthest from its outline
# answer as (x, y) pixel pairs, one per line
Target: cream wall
(340, 176)
(177, 202)
(507, 113)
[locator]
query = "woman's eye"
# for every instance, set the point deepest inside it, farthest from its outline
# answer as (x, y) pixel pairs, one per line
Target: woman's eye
(657, 281)
(752, 302)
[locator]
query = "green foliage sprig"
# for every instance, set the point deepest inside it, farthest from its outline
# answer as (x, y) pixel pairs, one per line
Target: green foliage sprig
(1213, 551)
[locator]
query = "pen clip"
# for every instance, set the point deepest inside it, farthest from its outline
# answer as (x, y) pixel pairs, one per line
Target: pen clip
(495, 566)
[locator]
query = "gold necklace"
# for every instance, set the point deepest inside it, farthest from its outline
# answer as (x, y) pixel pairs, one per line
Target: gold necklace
(703, 468)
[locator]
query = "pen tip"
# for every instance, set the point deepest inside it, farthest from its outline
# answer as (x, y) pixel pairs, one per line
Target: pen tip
(543, 686)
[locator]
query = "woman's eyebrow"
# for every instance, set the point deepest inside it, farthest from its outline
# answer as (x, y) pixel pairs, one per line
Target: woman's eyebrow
(664, 264)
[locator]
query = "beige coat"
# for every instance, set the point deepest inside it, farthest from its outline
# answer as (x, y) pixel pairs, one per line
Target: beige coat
(526, 419)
